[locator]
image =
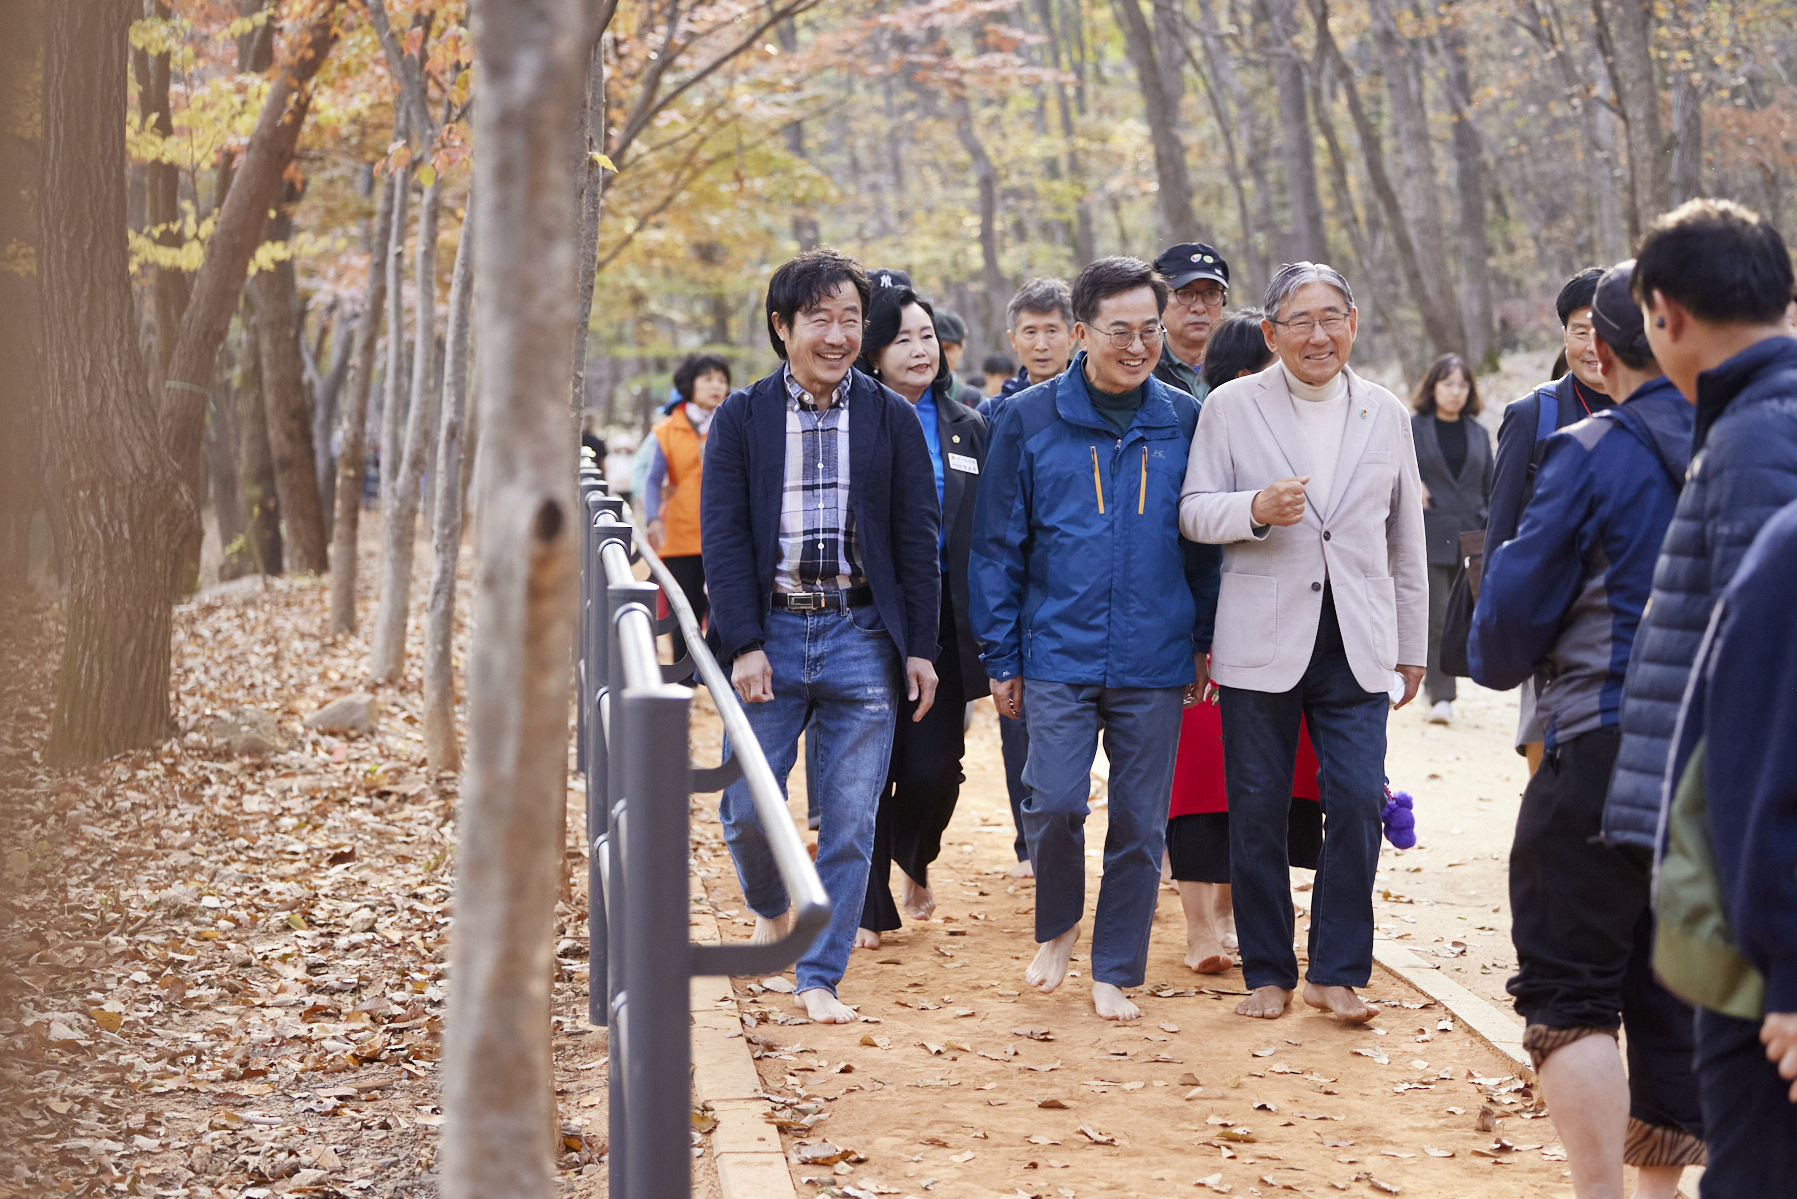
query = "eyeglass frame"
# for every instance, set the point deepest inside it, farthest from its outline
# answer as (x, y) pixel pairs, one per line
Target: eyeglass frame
(1150, 338)
(1222, 293)
(1310, 324)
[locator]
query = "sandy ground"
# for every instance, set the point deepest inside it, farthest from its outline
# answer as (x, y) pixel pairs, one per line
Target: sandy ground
(942, 1086)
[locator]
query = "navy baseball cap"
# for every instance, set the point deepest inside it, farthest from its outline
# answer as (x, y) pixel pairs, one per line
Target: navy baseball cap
(1191, 260)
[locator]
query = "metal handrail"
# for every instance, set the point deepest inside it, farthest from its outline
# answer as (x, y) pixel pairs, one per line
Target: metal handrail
(805, 890)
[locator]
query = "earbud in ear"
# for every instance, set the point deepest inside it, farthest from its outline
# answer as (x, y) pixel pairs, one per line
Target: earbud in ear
(1660, 323)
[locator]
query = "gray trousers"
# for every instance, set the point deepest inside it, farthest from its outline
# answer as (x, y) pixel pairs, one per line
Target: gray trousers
(1141, 739)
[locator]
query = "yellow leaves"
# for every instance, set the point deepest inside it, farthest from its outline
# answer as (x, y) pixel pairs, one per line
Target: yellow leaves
(19, 258)
(603, 160)
(110, 1021)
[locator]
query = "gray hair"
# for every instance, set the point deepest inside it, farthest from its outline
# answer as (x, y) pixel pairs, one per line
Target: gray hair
(1293, 275)
(1042, 294)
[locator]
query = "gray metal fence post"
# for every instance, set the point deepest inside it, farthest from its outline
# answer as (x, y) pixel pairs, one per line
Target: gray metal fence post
(658, 1033)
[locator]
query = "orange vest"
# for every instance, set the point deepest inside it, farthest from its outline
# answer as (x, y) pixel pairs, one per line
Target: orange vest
(684, 451)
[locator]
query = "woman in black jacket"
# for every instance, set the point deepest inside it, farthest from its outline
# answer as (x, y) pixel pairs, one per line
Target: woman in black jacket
(1453, 454)
(901, 350)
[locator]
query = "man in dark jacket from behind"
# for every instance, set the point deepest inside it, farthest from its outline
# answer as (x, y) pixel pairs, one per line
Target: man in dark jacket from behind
(1561, 602)
(1714, 281)
(819, 518)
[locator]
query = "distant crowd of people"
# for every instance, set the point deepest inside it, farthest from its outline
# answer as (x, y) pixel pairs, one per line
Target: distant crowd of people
(1198, 534)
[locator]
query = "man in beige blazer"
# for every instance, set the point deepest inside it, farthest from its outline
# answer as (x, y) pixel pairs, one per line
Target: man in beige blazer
(1306, 475)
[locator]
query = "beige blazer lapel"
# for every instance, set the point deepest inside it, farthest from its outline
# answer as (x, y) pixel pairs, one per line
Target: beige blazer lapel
(1274, 400)
(1361, 412)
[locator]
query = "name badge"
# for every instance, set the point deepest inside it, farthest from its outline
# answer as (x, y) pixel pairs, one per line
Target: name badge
(962, 462)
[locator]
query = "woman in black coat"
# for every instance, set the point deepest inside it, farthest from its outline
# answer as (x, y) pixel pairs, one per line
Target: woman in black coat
(923, 783)
(1453, 454)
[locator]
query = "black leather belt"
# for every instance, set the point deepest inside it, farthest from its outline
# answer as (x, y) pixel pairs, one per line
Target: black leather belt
(823, 601)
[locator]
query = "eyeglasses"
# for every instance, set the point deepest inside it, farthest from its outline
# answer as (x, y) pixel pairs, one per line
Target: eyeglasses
(1332, 324)
(1122, 339)
(1210, 297)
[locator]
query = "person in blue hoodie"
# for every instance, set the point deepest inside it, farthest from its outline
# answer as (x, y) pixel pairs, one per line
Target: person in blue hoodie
(1080, 583)
(1560, 604)
(1714, 281)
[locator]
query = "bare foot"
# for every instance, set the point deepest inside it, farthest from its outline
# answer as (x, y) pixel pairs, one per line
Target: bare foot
(1049, 970)
(1204, 950)
(768, 931)
(1111, 1003)
(866, 938)
(825, 1008)
(1267, 1003)
(1348, 1007)
(1023, 869)
(915, 898)
(1216, 963)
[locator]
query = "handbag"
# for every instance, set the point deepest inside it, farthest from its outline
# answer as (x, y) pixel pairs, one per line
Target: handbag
(1457, 626)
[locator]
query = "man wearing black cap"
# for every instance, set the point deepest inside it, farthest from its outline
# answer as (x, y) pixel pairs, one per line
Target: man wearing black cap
(1563, 599)
(1199, 279)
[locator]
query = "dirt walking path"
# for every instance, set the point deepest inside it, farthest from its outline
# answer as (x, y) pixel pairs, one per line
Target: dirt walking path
(962, 1081)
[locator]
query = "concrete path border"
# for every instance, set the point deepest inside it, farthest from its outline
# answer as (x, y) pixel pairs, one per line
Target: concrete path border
(750, 1161)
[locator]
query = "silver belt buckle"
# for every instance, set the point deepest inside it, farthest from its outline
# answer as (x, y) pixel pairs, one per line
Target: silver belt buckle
(804, 601)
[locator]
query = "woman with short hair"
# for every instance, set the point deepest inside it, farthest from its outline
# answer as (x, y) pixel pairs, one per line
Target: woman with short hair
(676, 464)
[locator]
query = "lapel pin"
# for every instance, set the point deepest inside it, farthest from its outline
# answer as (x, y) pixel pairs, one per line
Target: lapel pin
(1363, 415)
(956, 438)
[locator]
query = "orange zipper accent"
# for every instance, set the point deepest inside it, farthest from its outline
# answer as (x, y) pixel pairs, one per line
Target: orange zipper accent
(1142, 493)
(1097, 487)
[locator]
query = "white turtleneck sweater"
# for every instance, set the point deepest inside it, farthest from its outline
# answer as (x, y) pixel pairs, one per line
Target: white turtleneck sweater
(1322, 414)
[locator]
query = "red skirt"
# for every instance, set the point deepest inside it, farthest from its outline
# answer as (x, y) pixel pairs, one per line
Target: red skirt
(1198, 771)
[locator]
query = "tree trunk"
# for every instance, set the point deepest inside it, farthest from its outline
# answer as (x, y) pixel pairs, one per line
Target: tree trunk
(1604, 177)
(21, 332)
(991, 274)
(1173, 197)
(255, 187)
(498, 1085)
(328, 407)
(393, 394)
(352, 456)
(275, 296)
(1306, 238)
(255, 468)
(399, 517)
(1421, 191)
(220, 459)
(124, 509)
(1625, 28)
(441, 749)
(1469, 181)
(162, 206)
(589, 141)
(1443, 331)
(1690, 80)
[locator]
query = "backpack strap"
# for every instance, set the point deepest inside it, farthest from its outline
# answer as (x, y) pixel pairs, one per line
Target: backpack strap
(1547, 419)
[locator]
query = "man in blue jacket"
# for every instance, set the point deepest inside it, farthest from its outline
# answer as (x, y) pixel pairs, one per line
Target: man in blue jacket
(1081, 584)
(1522, 438)
(1714, 281)
(1560, 603)
(819, 518)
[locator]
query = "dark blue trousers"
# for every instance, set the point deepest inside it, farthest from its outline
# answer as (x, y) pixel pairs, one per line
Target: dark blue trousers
(1749, 1121)
(1260, 749)
(1014, 742)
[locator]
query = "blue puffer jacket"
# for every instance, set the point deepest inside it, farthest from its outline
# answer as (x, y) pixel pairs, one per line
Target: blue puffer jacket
(1743, 469)
(1564, 597)
(1078, 573)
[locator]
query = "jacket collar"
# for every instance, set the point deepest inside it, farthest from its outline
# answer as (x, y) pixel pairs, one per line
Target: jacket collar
(1657, 415)
(1274, 400)
(1073, 402)
(1428, 443)
(1718, 387)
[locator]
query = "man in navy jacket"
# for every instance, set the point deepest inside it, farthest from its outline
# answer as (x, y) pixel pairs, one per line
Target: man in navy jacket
(1714, 281)
(819, 524)
(1560, 603)
(1080, 582)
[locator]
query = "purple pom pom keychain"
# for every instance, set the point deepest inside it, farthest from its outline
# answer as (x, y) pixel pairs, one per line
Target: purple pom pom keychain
(1399, 819)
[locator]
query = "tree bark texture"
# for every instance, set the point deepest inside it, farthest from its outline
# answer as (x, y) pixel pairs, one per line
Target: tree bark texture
(1690, 80)
(1421, 193)
(123, 507)
(1306, 238)
(1626, 27)
(1469, 186)
(255, 187)
(220, 463)
(327, 407)
(442, 750)
(287, 404)
(992, 277)
(162, 204)
(1160, 105)
(352, 455)
(498, 1085)
(399, 520)
(21, 331)
(393, 389)
(589, 141)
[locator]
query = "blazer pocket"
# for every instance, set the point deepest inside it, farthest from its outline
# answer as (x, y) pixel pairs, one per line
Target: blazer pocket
(1247, 630)
(1382, 612)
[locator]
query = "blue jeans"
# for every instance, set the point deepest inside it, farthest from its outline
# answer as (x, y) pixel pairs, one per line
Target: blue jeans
(836, 676)
(1141, 739)
(1260, 748)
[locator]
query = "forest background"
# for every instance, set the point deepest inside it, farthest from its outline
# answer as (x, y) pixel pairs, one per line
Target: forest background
(1455, 159)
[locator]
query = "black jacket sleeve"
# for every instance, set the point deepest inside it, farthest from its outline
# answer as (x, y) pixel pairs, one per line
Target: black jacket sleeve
(1510, 473)
(726, 542)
